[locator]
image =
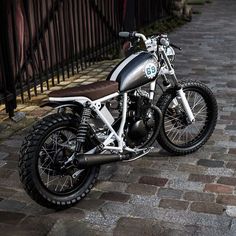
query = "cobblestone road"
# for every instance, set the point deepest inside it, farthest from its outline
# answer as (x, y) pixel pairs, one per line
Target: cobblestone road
(158, 195)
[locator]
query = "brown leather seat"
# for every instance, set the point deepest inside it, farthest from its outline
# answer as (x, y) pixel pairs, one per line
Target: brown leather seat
(92, 91)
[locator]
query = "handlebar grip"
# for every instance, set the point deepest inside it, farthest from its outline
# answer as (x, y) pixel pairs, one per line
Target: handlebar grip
(124, 34)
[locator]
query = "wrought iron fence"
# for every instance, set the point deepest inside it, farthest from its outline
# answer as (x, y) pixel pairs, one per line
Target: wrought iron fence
(46, 41)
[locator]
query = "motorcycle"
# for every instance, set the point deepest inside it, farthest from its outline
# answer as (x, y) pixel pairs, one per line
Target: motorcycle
(114, 120)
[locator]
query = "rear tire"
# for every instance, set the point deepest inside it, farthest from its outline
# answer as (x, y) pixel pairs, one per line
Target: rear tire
(30, 154)
(193, 145)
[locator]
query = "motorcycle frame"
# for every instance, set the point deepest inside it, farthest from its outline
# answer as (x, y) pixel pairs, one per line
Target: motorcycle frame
(96, 106)
(119, 136)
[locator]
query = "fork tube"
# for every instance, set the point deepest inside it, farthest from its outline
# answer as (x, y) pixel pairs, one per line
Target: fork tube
(186, 105)
(168, 63)
(180, 91)
(124, 113)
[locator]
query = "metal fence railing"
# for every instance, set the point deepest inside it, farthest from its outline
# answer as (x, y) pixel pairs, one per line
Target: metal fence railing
(46, 41)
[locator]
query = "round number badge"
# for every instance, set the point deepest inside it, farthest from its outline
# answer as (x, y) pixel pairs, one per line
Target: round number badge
(151, 70)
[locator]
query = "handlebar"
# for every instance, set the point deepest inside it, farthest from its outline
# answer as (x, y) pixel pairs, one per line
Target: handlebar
(161, 39)
(132, 35)
(125, 34)
(174, 46)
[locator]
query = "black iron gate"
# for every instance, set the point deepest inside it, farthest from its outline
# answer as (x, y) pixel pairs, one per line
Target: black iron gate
(45, 41)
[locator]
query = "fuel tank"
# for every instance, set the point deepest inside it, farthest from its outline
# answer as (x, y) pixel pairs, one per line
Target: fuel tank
(134, 71)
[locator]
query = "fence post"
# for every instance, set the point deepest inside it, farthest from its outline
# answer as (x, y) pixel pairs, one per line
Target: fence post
(7, 55)
(129, 15)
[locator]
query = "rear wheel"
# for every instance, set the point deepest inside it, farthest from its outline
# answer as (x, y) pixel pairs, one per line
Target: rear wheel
(176, 135)
(49, 145)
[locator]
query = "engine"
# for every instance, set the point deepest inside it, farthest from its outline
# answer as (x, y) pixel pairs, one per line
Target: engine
(141, 121)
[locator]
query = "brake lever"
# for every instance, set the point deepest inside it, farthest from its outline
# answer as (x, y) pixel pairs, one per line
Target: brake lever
(174, 46)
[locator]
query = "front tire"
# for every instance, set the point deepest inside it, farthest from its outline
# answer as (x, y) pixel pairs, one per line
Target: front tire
(174, 135)
(51, 142)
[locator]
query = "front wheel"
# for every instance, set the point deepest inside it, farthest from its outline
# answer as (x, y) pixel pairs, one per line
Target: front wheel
(176, 134)
(45, 150)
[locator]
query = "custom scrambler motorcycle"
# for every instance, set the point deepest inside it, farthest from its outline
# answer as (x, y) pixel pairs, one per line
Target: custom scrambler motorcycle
(114, 120)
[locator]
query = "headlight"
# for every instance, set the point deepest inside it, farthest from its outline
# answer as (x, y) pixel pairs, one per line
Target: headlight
(170, 52)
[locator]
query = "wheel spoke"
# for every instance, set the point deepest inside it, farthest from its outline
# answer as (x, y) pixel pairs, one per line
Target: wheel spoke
(58, 147)
(173, 128)
(44, 149)
(45, 168)
(64, 183)
(50, 181)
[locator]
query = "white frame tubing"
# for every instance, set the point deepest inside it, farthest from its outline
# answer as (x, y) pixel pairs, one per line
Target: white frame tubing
(96, 105)
(118, 136)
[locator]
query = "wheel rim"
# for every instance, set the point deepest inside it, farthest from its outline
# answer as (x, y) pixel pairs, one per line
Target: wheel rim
(175, 123)
(56, 148)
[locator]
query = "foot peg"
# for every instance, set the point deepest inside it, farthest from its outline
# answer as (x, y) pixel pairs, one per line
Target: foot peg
(140, 154)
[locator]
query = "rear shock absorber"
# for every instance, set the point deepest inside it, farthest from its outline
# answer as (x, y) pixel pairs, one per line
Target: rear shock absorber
(83, 128)
(81, 136)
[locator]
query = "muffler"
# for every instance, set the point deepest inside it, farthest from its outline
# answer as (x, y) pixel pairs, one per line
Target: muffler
(86, 160)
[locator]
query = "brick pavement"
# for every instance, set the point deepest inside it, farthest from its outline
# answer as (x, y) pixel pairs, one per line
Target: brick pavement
(159, 194)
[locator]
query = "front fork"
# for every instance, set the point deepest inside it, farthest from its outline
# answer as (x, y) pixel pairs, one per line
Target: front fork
(181, 97)
(180, 93)
(187, 108)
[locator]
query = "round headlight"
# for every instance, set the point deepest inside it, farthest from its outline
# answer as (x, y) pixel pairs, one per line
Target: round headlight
(170, 52)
